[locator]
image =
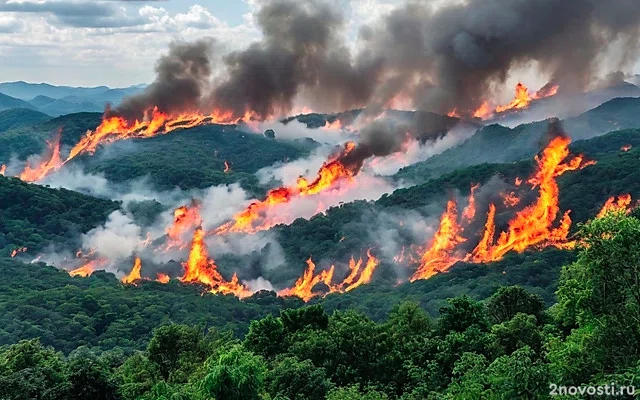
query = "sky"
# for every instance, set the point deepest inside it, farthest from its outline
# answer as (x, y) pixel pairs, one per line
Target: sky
(117, 42)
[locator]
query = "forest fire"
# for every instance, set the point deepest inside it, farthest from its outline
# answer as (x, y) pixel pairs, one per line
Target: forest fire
(626, 147)
(185, 218)
(17, 251)
(522, 100)
(227, 167)
(134, 275)
(46, 165)
(3, 169)
(532, 226)
(89, 267)
(358, 276)
(438, 256)
(114, 128)
(254, 218)
(199, 268)
(616, 204)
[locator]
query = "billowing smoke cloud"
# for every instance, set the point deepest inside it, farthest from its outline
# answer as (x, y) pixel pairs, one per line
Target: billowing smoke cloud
(452, 56)
(181, 79)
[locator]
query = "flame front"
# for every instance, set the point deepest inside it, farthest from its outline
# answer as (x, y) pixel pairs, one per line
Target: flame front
(185, 218)
(358, 276)
(3, 169)
(533, 226)
(626, 147)
(89, 268)
(47, 164)
(438, 255)
(254, 218)
(17, 251)
(116, 128)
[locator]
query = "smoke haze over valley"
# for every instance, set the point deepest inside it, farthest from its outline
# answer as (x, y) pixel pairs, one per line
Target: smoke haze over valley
(218, 163)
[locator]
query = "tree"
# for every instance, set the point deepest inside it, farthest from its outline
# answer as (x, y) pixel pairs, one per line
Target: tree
(176, 350)
(236, 375)
(353, 393)
(516, 333)
(311, 317)
(510, 300)
(265, 336)
(599, 301)
(136, 376)
(90, 377)
(30, 371)
(461, 313)
(298, 380)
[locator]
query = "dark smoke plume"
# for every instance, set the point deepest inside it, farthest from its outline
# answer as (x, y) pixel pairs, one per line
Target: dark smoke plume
(443, 59)
(182, 77)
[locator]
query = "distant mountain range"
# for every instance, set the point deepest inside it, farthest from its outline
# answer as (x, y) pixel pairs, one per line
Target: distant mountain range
(61, 100)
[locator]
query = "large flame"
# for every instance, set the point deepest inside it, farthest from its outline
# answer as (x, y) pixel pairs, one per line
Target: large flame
(48, 163)
(521, 100)
(358, 276)
(135, 274)
(185, 219)
(254, 217)
(533, 226)
(438, 255)
(199, 268)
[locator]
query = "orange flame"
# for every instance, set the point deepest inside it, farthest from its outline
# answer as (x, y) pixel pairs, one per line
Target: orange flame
(484, 111)
(254, 218)
(47, 165)
(227, 168)
(3, 169)
(199, 268)
(521, 100)
(89, 268)
(358, 276)
(162, 278)
(626, 147)
(510, 199)
(453, 113)
(469, 212)
(437, 257)
(17, 251)
(116, 128)
(303, 287)
(134, 275)
(185, 218)
(613, 204)
(531, 226)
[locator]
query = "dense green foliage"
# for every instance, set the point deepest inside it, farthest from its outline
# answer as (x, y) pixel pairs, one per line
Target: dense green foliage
(507, 347)
(195, 158)
(34, 216)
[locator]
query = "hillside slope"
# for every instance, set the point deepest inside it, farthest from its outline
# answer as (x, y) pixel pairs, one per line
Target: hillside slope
(496, 143)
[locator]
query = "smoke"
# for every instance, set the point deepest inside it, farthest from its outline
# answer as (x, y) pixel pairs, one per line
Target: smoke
(437, 59)
(181, 79)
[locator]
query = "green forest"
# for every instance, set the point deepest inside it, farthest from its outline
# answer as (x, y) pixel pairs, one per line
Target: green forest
(510, 346)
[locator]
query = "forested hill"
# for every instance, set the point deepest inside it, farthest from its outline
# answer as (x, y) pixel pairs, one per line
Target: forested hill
(496, 143)
(508, 347)
(35, 217)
